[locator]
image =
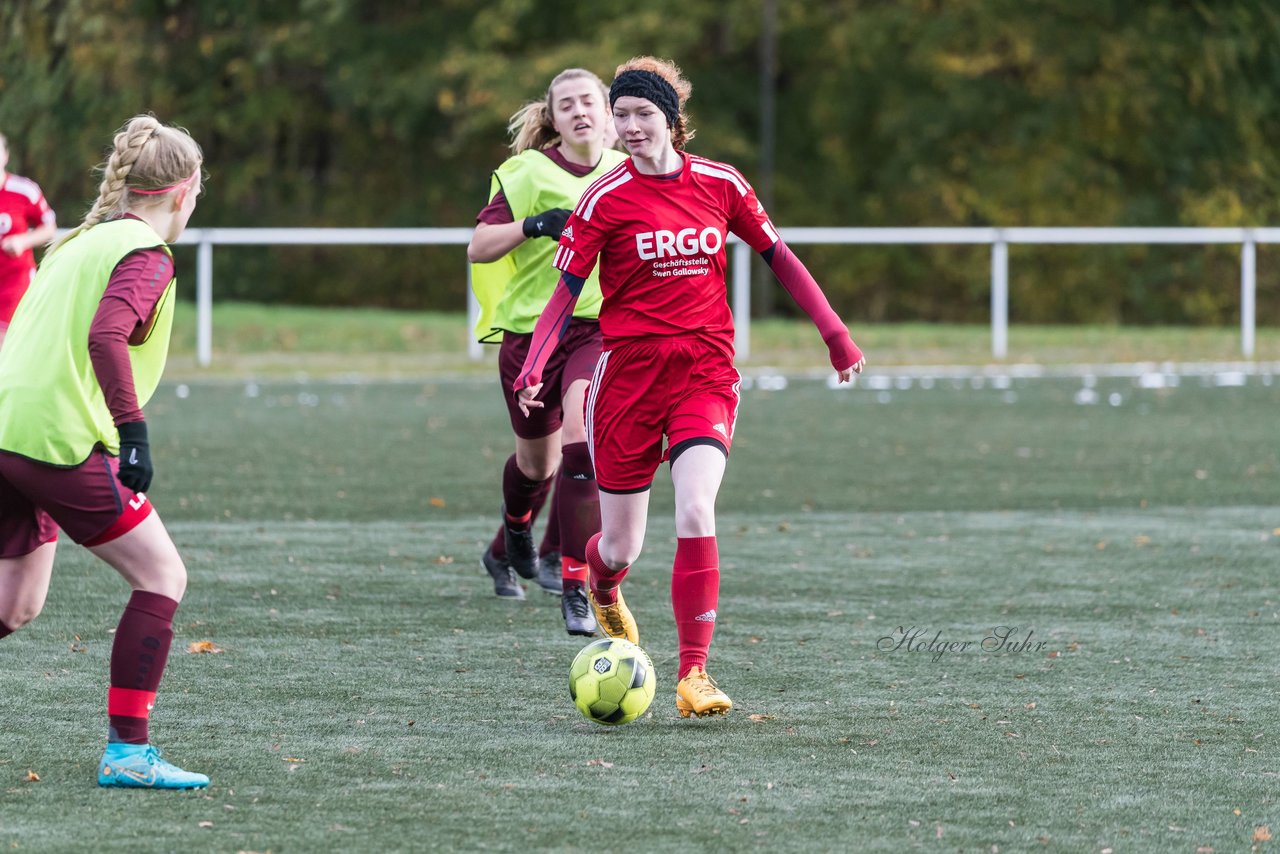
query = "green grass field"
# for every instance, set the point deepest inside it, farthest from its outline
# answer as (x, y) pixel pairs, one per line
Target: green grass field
(282, 340)
(374, 696)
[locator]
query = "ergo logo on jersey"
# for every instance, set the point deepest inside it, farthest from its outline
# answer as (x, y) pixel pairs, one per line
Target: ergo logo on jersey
(686, 241)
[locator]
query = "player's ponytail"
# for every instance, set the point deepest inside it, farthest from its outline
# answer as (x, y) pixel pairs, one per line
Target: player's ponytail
(148, 160)
(533, 126)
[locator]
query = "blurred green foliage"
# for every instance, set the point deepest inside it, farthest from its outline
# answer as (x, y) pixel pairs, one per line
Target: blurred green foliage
(914, 112)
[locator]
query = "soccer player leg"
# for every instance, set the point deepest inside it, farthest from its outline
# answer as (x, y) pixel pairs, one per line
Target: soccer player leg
(697, 469)
(577, 507)
(147, 558)
(28, 540)
(526, 480)
(24, 585)
(625, 437)
(610, 553)
(700, 432)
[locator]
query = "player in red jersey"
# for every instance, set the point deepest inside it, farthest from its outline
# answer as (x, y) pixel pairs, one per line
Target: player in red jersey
(657, 224)
(26, 221)
(85, 351)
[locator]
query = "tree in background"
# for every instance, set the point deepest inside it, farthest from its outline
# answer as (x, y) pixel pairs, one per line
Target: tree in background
(918, 112)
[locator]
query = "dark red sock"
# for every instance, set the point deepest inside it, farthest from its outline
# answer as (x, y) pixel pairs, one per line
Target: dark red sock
(551, 536)
(5, 631)
(695, 592)
(530, 497)
(138, 657)
(577, 501)
(604, 581)
(520, 494)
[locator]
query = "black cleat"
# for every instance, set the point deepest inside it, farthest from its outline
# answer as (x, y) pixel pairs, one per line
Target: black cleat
(505, 584)
(578, 618)
(521, 554)
(549, 573)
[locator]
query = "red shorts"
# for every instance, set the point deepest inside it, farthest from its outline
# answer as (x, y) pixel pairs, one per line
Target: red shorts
(574, 359)
(11, 293)
(681, 387)
(87, 501)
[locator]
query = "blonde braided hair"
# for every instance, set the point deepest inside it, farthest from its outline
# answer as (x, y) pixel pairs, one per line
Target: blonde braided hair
(146, 155)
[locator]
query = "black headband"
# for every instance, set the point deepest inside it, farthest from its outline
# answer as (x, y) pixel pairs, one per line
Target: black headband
(646, 84)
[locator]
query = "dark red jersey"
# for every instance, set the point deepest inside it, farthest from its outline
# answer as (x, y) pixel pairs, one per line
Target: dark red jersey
(660, 242)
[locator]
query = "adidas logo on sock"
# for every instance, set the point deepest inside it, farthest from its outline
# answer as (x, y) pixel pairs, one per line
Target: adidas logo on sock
(708, 617)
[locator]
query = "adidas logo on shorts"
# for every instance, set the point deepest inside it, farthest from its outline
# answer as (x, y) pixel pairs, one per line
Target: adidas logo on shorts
(720, 428)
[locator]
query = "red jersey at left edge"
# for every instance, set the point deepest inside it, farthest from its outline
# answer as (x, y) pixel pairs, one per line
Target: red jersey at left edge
(660, 242)
(22, 209)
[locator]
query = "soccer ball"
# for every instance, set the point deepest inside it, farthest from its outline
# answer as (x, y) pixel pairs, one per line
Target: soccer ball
(611, 681)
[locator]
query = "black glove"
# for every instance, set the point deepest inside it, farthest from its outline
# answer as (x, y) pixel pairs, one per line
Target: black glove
(546, 224)
(135, 456)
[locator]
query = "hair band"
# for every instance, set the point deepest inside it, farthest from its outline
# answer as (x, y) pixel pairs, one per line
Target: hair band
(645, 84)
(184, 182)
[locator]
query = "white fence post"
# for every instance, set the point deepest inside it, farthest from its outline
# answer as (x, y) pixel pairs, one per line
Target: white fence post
(999, 296)
(1248, 291)
(742, 300)
(204, 299)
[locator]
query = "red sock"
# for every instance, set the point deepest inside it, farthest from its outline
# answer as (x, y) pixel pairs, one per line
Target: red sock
(138, 657)
(604, 581)
(695, 592)
(573, 571)
(5, 631)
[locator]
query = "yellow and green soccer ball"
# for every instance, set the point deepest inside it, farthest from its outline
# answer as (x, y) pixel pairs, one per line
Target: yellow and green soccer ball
(611, 681)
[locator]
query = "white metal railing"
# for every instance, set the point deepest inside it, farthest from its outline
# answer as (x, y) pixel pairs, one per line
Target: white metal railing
(998, 238)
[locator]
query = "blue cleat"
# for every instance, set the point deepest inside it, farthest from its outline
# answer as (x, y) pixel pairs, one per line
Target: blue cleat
(139, 766)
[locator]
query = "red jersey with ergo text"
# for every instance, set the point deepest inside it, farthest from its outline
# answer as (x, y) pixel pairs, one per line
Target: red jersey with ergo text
(660, 241)
(22, 209)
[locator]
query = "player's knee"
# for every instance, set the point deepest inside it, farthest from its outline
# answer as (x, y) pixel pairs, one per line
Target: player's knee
(696, 519)
(18, 614)
(539, 469)
(619, 554)
(177, 580)
(573, 432)
(169, 580)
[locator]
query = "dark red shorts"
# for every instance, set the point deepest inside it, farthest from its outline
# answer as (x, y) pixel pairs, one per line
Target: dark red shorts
(87, 501)
(574, 359)
(681, 387)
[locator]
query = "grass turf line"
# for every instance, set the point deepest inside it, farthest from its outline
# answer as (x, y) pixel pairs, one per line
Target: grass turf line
(349, 605)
